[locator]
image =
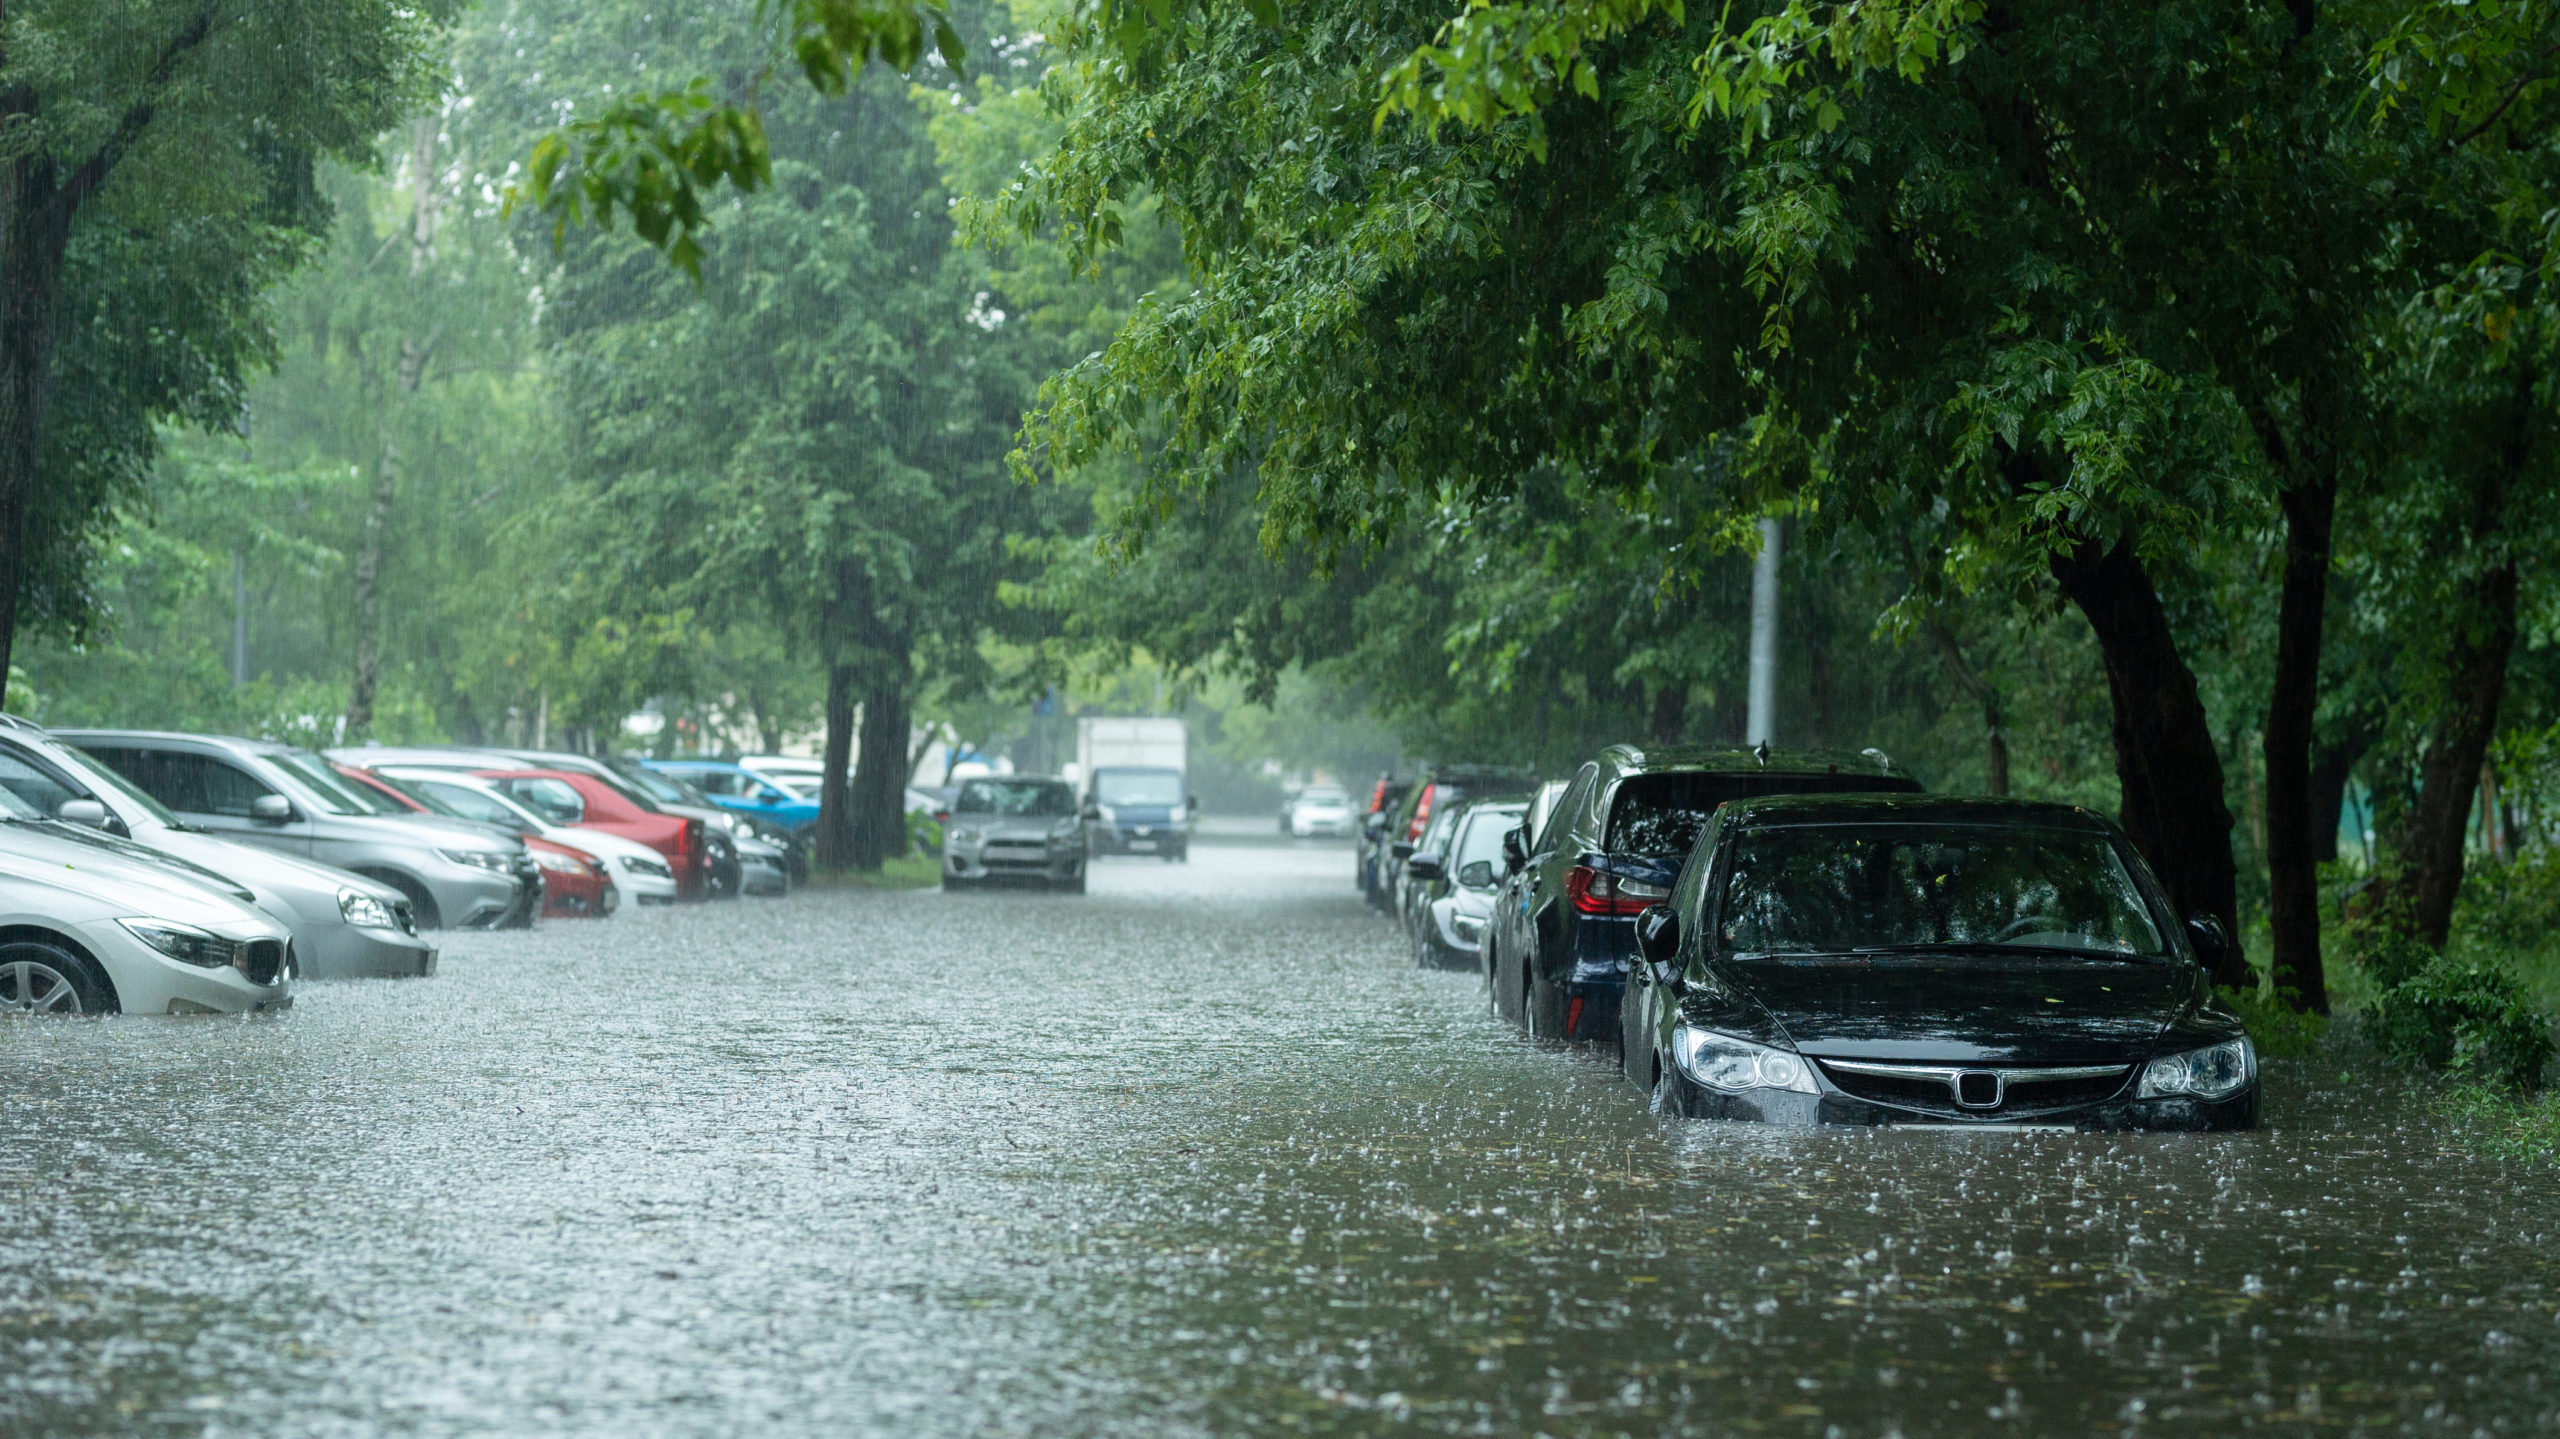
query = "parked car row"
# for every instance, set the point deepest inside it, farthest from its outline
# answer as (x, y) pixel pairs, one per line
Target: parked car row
(1808, 937)
(151, 872)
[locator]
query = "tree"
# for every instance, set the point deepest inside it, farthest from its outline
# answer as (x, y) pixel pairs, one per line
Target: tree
(160, 176)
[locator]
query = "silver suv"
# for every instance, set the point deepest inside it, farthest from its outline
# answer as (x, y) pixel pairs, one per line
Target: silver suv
(456, 874)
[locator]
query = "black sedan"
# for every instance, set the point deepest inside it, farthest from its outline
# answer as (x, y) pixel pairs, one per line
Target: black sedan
(1925, 960)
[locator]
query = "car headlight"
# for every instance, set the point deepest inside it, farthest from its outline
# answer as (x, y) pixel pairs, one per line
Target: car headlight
(558, 863)
(488, 859)
(967, 836)
(637, 865)
(1066, 829)
(1720, 1061)
(184, 942)
(1466, 927)
(2215, 1072)
(364, 911)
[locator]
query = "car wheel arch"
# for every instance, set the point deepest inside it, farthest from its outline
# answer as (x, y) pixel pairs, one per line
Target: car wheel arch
(15, 934)
(422, 901)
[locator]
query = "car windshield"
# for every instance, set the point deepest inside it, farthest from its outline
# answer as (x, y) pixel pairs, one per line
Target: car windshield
(1014, 797)
(409, 788)
(656, 786)
(330, 792)
(1482, 838)
(1661, 814)
(1839, 889)
(474, 803)
(1138, 786)
(1329, 798)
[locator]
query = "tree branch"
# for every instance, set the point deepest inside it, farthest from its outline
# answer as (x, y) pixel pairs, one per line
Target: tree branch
(93, 172)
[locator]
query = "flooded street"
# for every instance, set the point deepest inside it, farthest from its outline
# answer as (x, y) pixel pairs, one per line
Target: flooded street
(1198, 1153)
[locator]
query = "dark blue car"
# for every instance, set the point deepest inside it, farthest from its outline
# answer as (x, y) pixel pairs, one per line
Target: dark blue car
(1563, 923)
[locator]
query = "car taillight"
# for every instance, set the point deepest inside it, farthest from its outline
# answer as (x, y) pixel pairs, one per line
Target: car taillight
(1421, 813)
(1378, 797)
(1594, 891)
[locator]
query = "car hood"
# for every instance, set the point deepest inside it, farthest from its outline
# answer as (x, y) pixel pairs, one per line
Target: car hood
(124, 882)
(1971, 1009)
(1016, 826)
(254, 866)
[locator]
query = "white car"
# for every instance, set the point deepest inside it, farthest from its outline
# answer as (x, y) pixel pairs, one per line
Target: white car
(93, 931)
(1320, 809)
(638, 869)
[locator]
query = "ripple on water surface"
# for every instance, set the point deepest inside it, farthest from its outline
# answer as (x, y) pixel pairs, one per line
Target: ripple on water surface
(1200, 1152)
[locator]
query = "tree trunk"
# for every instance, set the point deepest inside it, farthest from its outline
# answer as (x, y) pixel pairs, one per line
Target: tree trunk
(2440, 820)
(1668, 715)
(414, 353)
(2293, 880)
(835, 793)
(2166, 762)
(1995, 737)
(880, 781)
(35, 233)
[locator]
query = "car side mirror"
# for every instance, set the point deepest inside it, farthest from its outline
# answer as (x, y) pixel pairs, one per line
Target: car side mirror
(1092, 811)
(2205, 933)
(1425, 867)
(1515, 850)
(1476, 874)
(82, 811)
(271, 809)
(1401, 849)
(1658, 945)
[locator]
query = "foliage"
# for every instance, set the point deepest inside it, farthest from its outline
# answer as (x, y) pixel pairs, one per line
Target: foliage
(2280, 1028)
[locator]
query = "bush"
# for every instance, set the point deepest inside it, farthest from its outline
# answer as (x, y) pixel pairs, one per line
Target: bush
(2276, 1027)
(924, 835)
(2465, 1016)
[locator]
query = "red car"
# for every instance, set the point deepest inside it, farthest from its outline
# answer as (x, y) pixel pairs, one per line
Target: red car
(575, 884)
(564, 797)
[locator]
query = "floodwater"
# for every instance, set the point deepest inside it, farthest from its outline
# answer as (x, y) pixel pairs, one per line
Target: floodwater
(1200, 1153)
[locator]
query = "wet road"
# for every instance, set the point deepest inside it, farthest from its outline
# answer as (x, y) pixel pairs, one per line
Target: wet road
(1199, 1153)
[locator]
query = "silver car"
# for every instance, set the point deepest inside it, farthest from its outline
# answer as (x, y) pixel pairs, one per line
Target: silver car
(344, 925)
(456, 875)
(1014, 828)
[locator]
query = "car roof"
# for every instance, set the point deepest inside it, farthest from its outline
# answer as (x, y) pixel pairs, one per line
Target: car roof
(1758, 759)
(1812, 809)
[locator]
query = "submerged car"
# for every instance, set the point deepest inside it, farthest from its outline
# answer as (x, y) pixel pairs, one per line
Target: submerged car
(1014, 828)
(1564, 925)
(578, 866)
(1928, 960)
(455, 875)
(87, 930)
(344, 925)
(1370, 852)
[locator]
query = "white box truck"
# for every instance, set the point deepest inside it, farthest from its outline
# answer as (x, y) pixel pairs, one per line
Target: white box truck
(1136, 785)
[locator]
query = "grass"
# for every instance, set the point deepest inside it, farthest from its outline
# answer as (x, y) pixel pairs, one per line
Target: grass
(905, 872)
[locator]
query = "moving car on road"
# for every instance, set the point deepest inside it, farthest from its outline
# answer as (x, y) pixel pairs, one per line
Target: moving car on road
(1929, 960)
(1014, 828)
(1319, 809)
(344, 925)
(86, 930)
(456, 875)
(1564, 924)
(1137, 811)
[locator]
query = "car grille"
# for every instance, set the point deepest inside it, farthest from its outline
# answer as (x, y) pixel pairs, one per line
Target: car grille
(262, 960)
(1933, 1089)
(1015, 854)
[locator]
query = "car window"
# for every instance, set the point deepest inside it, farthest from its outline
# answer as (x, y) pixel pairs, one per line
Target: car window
(1660, 814)
(330, 791)
(105, 777)
(1138, 787)
(1575, 796)
(714, 781)
(1842, 888)
(1016, 797)
(43, 793)
(186, 782)
(770, 794)
(555, 800)
(470, 803)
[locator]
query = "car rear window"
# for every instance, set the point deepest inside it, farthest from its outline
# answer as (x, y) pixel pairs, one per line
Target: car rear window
(1661, 814)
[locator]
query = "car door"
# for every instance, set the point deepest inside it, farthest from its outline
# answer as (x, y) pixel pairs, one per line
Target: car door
(1646, 1010)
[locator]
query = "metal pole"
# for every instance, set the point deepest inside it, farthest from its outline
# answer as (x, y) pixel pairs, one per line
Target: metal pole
(1761, 723)
(239, 620)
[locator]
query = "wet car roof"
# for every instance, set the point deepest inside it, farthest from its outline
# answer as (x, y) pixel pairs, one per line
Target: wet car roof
(1660, 759)
(1912, 809)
